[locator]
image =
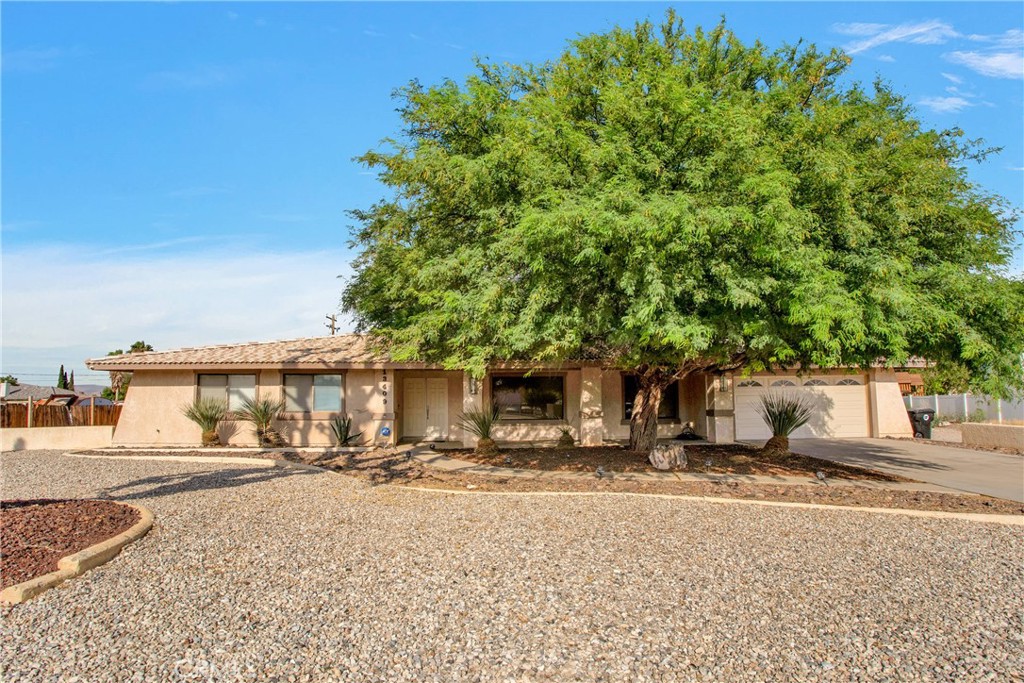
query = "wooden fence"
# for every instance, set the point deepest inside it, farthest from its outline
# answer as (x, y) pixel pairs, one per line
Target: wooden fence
(13, 415)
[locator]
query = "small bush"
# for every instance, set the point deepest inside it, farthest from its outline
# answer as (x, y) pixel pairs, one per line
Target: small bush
(480, 423)
(262, 413)
(341, 425)
(207, 413)
(784, 414)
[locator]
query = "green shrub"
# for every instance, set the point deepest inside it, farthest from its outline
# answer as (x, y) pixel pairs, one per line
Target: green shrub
(341, 425)
(262, 413)
(480, 423)
(784, 414)
(207, 413)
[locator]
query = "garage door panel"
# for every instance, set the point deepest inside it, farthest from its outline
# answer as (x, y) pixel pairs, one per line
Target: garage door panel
(839, 410)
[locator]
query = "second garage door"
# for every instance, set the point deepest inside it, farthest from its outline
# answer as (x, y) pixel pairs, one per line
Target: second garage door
(840, 405)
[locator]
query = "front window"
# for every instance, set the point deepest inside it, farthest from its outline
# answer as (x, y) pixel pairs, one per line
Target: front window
(314, 393)
(668, 409)
(529, 398)
(231, 389)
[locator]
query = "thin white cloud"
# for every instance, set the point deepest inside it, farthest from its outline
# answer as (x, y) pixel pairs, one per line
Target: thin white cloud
(859, 28)
(931, 32)
(204, 296)
(886, 58)
(36, 59)
(952, 77)
(945, 105)
(157, 246)
(1008, 40)
(231, 15)
(1015, 168)
(207, 76)
(19, 226)
(994, 64)
(372, 33)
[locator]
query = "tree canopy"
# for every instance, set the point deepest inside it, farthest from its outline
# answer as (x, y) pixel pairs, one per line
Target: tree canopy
(677, 200)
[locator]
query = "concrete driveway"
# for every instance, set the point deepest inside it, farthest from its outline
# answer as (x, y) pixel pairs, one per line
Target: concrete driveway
(993, 474)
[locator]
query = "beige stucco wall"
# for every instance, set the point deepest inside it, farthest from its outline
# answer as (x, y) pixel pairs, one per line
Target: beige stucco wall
(887, 411)
(152, 410)
(993, 435)
(616, 427)
(55, 438)
(541, 431)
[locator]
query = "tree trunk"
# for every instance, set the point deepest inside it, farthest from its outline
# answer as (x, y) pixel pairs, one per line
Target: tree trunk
(643, 423)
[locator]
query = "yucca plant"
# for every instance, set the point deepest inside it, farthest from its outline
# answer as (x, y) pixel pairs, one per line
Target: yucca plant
(207, 413)
(262, 413)
(480, 424)
(565, 440)
(341, 425)
(784, 414)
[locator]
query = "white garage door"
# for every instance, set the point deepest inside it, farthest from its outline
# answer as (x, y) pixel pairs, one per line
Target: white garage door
(840, 405)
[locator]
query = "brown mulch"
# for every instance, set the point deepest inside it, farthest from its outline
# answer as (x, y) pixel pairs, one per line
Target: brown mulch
(725, 459)
(35, 534)
(389, 467)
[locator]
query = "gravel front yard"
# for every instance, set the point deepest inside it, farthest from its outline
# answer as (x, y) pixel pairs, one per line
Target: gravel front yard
(278, 574)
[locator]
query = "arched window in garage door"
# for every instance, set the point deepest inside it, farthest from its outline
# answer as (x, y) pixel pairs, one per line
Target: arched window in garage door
(815, 383)
(848, 383)
(783, 383)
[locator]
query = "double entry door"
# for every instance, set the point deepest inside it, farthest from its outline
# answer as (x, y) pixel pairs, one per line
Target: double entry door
(425, 411)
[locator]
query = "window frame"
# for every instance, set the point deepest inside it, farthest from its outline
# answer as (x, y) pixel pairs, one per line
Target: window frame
(661, 420)
(311, 399)
(561, 376)
(227, 386)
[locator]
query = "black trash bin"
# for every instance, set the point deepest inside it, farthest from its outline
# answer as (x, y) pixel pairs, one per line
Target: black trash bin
(921, 419)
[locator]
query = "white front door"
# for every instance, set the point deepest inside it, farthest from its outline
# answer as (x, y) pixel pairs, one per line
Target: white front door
(426, 408)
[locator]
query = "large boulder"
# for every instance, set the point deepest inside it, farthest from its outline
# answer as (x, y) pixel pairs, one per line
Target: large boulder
(668, 456)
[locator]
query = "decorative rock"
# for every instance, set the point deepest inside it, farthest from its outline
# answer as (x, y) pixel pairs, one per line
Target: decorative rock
(668, 456)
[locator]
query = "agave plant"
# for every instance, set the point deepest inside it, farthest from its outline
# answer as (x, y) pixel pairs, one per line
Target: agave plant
(480, 424)
(341, 425)
(207, 413)
(784, 414)
(262, 413)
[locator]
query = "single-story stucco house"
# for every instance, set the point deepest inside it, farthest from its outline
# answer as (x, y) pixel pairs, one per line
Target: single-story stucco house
(392, 402)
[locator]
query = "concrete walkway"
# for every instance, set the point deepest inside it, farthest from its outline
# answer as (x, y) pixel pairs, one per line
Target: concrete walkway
(443, 462)
(992, 474)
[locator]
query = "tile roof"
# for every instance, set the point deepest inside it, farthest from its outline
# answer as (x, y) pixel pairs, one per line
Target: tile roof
(339, 350)
(24, 392)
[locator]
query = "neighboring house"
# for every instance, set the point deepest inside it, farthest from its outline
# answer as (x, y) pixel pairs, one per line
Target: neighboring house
(23, 393)
(321, 377)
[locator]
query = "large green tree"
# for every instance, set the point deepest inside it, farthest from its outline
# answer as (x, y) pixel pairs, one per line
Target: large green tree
(675, 202)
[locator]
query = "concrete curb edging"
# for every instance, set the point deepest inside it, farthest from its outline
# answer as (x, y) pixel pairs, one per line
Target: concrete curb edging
(82, 561)
(1013, 520)
(205, 459)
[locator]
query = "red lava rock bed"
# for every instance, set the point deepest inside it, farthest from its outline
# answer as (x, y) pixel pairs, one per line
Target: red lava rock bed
(35, 534)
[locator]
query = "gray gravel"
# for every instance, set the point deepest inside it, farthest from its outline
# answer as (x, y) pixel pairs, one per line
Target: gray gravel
(285, 575)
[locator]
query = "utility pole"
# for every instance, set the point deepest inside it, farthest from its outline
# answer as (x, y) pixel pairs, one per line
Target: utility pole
(333, 324)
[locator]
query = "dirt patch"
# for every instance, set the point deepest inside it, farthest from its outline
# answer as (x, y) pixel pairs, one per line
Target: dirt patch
(398, 469)
(35, 534)
(703, 459)
(965, 446)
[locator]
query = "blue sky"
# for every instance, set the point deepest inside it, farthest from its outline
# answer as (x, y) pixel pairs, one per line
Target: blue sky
(180, 172)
